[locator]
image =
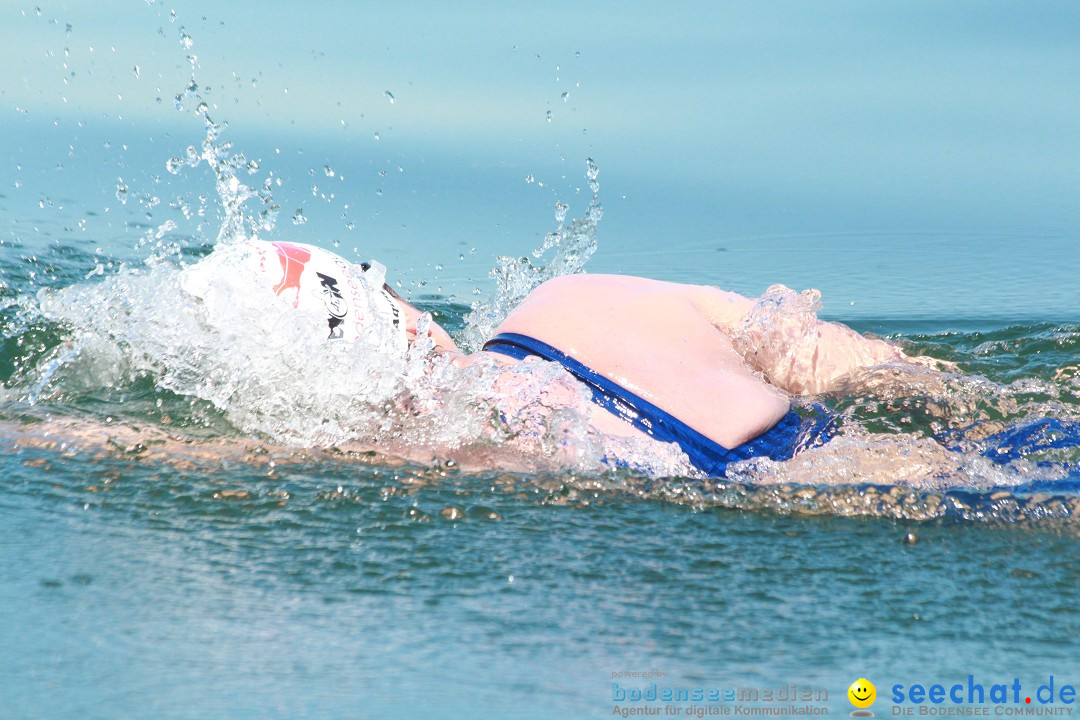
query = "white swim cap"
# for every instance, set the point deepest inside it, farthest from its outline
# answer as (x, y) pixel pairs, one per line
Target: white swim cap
(350, 296)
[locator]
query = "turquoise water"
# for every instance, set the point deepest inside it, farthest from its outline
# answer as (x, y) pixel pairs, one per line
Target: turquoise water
(169, 555)
(160, 599)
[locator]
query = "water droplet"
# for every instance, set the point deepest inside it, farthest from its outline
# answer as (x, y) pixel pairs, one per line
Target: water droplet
(530, 179)
(438, 267)
(298, 217)
(121, 191)
(135, 70)
(577, 53)
(390, 96)
(591, 170)
(549, 116)
(185, 39)
(379, 192)
(376, 134)
(566, 96)
(17, 184)
(351, 225)
(329, 171)
(252, 167)
(561, 209)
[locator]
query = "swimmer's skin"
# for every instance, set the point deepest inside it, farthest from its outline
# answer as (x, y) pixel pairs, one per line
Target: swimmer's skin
(671, 344)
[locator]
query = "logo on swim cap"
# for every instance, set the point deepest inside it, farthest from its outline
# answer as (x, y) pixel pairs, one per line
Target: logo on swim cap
(293, 261)
(335, 305)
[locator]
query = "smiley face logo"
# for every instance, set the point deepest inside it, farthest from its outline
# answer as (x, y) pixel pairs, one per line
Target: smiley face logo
(862, 693)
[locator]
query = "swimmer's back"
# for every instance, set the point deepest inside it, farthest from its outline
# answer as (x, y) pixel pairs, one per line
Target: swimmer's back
(655, 339)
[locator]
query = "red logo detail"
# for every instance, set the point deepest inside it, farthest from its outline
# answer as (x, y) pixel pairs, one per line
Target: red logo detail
(293, 260)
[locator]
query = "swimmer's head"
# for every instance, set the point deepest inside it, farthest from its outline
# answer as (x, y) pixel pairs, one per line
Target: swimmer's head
(349, 301)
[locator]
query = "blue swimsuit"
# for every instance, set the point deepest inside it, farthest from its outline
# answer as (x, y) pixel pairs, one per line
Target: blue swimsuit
(780, 442)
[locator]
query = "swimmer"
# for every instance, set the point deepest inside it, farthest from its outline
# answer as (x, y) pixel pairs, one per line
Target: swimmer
(679, 363)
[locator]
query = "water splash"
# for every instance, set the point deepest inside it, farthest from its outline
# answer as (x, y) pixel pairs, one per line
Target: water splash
(267, 369)
(228, 348)
(227, 168)
(568, 248)
(779, 336)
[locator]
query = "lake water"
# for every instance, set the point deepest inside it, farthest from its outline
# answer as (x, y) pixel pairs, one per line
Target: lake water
(917, 164)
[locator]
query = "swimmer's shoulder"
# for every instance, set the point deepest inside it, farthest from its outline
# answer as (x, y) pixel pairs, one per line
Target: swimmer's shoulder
(721, 307)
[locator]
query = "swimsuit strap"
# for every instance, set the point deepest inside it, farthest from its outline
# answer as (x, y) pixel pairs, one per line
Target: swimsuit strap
(778, 443)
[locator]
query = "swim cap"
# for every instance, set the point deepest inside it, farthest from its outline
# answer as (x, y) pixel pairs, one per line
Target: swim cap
(350, 297)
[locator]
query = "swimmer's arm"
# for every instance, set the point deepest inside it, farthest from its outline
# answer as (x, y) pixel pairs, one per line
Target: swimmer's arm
(808, 363)
(838, 351)
(798, 359)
